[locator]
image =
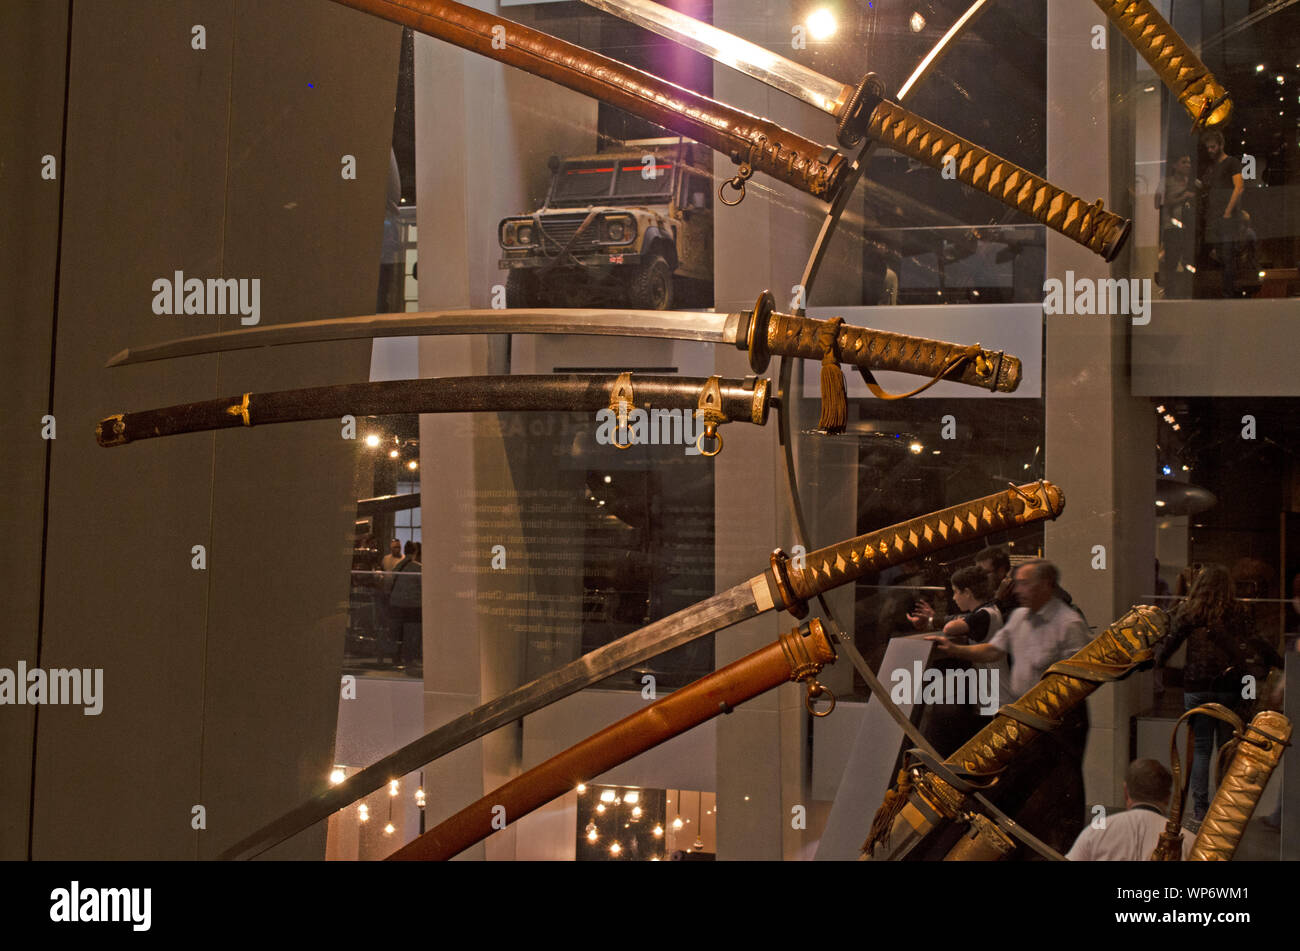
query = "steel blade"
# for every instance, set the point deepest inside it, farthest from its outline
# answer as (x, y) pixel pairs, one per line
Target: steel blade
(762, 64)
(659, 324)
(729, 607)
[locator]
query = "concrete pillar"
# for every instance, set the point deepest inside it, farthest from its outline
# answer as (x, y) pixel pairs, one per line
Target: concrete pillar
(1100, 442)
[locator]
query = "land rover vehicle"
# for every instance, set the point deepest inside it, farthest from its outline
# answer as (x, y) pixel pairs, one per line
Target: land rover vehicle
(631, 225)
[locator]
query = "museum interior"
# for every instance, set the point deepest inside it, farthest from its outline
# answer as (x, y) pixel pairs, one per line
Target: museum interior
(494, 578)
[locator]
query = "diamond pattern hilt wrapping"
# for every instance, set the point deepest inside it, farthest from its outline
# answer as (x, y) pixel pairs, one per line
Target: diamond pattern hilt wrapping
(793, 336)
(1088, 224)
(1118, 650)
(835, 565)
(1172, 60)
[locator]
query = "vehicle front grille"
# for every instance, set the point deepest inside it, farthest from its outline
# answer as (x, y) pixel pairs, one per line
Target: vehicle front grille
(560, 228)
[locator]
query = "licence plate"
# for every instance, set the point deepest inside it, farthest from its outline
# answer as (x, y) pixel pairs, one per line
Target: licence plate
(616, 259)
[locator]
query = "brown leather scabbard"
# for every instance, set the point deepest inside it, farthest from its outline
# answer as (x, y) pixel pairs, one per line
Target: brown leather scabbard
(798, 655)
(748, 140)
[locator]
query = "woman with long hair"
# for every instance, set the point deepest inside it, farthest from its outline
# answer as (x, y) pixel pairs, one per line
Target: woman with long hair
(1221, 644)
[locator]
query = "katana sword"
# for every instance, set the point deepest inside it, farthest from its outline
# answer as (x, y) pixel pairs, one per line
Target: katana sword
(799, 655)
(754, 143)
(763, 332)
(1203, 96)
(786, 585)
(863, 111)
(714, 399)
(925, 802)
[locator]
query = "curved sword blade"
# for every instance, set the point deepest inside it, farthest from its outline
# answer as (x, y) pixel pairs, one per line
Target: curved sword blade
(762, 64)
(659, 324)
(732, 606)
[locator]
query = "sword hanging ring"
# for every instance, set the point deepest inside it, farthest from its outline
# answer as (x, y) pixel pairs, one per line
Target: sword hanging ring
(737, 183)
(815, 692)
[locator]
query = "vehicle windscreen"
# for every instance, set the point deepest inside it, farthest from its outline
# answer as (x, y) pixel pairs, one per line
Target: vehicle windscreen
(590, 182)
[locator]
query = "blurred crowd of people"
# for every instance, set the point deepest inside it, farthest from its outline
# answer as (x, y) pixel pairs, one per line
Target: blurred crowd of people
(392, 582)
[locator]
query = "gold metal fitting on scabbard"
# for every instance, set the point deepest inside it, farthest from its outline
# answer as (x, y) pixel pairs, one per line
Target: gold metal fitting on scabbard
(710, 409)
(620, 400)
(240, 409)
(804, 667)
(118, 428)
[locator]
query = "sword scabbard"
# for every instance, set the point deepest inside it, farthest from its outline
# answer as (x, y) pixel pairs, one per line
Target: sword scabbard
(1114, 653)
(715, 400)
(1181, 70)
(1258, 753)
(754, 143)
(798, 656)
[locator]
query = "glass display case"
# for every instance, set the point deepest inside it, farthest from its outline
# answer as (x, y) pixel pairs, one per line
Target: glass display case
(979, 314)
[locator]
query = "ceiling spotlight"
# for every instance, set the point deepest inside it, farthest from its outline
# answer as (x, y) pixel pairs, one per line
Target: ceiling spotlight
(412, 465)
(632, 797)
(337, 775)
(916, 448)
(372, 440)
(393, 454)
(1160, 409)
(821, 24)
(608, 479)
(1167, 470)
(582, 788)
(658, 829)
(607, 795)
(600, 808)
(1149, 89)
(615, 849)
(592, 835)
(1177, 427)
(916, 22)
(1280, 79)
(636, 812)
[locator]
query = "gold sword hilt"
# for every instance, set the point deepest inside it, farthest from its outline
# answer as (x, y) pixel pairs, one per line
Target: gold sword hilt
(1203, 96)
(1090, 225)
(770, 332)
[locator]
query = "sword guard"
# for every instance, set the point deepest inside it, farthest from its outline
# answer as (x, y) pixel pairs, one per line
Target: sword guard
(781, 576)
(756, 336)
(856, 114)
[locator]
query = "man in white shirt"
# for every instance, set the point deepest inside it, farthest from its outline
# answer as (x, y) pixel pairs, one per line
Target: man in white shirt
(1043, 786)
(1043, 630)
(1132, 835)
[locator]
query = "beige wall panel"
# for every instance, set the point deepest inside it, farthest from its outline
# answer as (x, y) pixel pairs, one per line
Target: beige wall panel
(33, 55)
(221, 686)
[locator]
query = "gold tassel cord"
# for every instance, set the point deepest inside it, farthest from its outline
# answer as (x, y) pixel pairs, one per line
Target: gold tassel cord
(835, 399)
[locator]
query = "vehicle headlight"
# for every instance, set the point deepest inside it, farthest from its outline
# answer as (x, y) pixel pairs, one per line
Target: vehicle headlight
(617, 231)
(524, 234)
(508, 234)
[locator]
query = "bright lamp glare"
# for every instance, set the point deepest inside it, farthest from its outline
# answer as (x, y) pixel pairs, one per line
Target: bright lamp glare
(821, 24)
